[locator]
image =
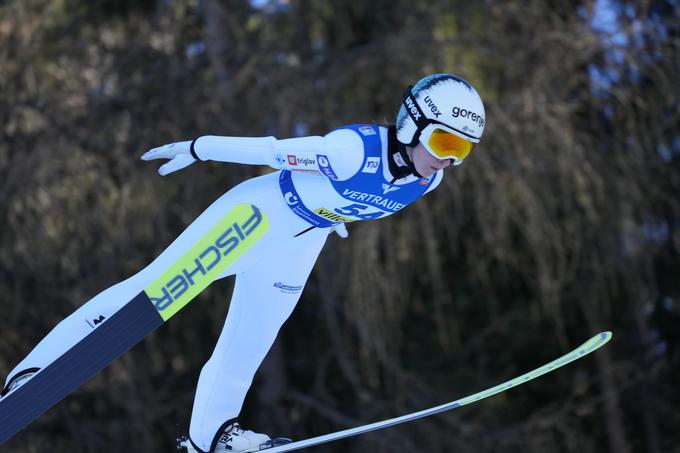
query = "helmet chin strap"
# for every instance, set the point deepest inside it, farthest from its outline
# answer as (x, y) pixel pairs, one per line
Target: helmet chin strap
(409, 162)
(400, 163)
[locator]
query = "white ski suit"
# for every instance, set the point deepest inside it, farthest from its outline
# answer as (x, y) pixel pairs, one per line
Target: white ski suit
(321, 183)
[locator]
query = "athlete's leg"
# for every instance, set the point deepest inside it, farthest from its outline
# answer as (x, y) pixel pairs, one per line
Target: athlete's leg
(95, 312)
(264, 297)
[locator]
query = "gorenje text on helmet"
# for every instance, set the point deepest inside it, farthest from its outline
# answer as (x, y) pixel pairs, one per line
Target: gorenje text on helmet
(464, 113)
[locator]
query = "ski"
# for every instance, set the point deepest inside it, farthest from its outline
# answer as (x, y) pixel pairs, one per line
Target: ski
(589, 346)
(178, 285)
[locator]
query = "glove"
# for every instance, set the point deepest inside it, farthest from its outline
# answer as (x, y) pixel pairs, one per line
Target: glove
(341, 230)
(179, 154)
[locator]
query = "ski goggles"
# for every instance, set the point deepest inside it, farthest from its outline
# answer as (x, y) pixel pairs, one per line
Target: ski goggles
(441, 142)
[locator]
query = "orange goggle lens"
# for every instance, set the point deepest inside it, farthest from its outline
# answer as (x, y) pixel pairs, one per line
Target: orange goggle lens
(446, 145)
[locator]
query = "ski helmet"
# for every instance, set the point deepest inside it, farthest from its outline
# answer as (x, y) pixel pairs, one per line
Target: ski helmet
(445, 113)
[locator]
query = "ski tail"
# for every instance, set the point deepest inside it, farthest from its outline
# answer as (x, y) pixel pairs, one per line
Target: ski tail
(119, 333)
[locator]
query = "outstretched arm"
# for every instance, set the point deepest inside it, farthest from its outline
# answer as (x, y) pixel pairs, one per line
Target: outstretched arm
(337, 155)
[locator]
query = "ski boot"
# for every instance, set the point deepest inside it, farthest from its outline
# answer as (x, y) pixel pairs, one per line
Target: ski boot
(234, 439)
(18, 380)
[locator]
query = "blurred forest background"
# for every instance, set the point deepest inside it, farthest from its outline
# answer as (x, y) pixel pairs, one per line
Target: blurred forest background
(564, 222)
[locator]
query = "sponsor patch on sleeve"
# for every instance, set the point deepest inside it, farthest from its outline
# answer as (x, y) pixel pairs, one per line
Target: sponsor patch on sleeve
(367, 130)
(325, 166)
(303, 164)
(296, 160)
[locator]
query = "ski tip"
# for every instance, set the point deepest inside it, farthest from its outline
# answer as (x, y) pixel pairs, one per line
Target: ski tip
(596, 342)
(603, 337)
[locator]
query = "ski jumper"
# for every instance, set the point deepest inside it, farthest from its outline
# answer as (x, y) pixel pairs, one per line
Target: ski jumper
(322, 182)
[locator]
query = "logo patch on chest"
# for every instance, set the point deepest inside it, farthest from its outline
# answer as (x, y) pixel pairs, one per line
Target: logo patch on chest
(332, 216)
(371, 165)
(387, 188)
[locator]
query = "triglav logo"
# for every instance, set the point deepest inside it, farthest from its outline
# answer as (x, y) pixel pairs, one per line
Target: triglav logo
(464, 113)
(230, 239)
(295, 160)
(305, 161)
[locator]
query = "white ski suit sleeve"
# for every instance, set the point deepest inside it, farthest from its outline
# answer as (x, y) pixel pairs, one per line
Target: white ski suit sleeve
(342, 148)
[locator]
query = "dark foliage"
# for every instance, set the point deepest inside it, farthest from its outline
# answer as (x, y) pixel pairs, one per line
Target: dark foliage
(563, 223)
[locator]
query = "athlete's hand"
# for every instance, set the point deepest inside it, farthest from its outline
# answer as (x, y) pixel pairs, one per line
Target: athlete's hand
(341, 230)
(179, 154)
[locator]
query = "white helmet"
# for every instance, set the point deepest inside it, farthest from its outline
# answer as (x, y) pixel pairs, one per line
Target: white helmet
(441, 99)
